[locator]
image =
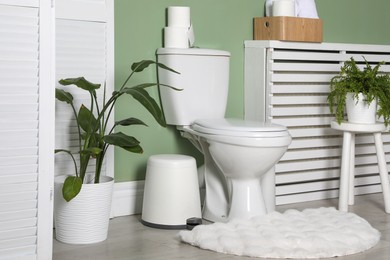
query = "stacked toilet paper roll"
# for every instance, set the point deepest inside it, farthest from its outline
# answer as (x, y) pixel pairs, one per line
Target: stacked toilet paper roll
(283, 8)
(179, 32)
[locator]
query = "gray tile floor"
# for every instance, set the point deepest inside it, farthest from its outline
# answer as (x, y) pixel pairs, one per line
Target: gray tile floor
(129, 239)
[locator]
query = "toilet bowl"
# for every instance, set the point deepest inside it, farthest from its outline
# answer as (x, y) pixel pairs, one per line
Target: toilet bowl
(239, 155)
(244, 152)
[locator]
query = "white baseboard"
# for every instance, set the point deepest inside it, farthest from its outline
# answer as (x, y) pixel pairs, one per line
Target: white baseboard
(127, 198)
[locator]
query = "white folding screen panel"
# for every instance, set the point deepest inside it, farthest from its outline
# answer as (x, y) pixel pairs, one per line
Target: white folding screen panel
(84, 47)
(26, 129)
(288, 83)
(25, 3)
(82, 10)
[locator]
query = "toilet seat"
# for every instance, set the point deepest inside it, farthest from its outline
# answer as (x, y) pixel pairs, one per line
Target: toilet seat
(239, 128)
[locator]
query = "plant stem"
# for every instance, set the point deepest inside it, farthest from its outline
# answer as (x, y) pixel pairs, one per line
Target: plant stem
(74, 160)
(84, 160)
(114, 98)
(104, 104)
(78, 125)
(97, 104)
(110, 104)
(124, 83)
(99, 164)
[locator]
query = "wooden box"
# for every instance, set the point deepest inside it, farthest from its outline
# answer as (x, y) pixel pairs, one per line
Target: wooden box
(285, 28)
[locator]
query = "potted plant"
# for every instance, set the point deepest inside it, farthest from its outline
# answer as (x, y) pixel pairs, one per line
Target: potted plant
(78, 195)
(360, 91)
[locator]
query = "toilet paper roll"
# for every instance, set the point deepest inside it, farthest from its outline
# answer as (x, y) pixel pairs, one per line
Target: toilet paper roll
(283, 8)
(179, 16)
(176, 37)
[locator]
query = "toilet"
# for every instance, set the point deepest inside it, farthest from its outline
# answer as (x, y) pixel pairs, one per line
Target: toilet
(239, 155)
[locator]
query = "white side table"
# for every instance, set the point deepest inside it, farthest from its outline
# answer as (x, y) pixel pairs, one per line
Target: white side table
(346, 193)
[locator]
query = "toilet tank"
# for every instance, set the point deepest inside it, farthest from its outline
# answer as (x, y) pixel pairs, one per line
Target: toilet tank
(203, 78)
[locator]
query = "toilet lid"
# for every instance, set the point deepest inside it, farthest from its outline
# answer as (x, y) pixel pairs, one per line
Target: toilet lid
(237, 127)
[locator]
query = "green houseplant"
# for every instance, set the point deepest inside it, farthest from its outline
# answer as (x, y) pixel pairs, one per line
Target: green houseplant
(82, 204)
(368, 84)
(94, 136)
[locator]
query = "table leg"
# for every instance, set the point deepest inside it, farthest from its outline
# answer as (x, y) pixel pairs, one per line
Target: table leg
(351, 192)
(383, 170)
(344, 173)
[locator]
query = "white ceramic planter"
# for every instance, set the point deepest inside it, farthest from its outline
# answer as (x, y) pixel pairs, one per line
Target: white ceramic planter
(360, 112)
(85, 219)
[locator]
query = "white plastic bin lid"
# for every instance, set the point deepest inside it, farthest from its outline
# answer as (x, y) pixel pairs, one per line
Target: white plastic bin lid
(172, 161)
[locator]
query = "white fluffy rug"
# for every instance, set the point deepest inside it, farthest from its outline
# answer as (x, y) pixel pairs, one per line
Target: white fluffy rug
(311, 233)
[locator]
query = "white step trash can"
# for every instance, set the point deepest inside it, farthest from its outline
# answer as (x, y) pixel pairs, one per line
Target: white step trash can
(171, 193)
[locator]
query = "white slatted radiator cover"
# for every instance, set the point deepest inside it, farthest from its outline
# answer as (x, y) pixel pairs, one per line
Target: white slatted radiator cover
(287, 83)
(26, 132)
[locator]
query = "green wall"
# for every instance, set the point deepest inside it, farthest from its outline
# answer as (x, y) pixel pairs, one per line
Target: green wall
(218, 24)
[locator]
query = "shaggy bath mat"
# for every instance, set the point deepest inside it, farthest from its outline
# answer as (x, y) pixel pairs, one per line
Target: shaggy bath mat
(311, 233)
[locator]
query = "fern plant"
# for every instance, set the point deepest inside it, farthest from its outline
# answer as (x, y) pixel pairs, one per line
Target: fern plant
(372, 83)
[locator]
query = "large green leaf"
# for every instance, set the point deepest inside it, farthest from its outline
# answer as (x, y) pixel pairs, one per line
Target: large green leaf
(93, 151)
(72, 187)
(141, 65)
(130, 121)
(147, 85)
(134, 149)
(148, 102)
(160, 65)
(124, 141)
(168, 86)
(62, 150)
(87, 120)
(80, 82)
(120, 139)
(64, 96)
